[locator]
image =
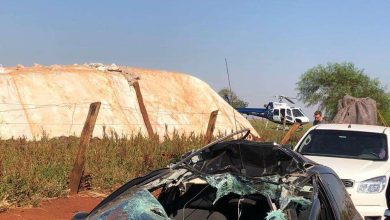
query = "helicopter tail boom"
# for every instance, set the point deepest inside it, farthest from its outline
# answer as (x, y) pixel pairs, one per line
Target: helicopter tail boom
(259, 112)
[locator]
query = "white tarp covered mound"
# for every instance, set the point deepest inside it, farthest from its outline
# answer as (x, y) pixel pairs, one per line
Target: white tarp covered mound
(56, 100)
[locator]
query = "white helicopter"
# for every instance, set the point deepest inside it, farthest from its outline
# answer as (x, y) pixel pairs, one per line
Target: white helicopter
(278, 112)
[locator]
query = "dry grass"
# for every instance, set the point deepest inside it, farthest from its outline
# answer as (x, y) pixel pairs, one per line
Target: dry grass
(269, 131)
(32, 170)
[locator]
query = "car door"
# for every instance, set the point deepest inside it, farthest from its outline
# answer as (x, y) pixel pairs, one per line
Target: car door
(321, 208)
(289, 117)
(341, 202)
(276, 115)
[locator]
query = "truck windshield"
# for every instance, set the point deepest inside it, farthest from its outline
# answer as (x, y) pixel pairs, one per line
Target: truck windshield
(347, 144)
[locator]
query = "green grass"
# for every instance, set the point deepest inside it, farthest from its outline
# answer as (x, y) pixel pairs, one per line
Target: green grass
(37, 169)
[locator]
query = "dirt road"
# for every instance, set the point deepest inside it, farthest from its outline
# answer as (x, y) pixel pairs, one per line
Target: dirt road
(61, 208)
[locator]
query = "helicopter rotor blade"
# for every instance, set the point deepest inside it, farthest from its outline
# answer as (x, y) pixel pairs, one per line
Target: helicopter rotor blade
(288, 99)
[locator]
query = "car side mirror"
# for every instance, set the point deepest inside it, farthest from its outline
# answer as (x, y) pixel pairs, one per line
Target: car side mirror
(80, 216)
(289, 146)
(387, 214)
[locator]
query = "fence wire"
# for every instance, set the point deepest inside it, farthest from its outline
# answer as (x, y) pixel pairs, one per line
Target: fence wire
(16, 119)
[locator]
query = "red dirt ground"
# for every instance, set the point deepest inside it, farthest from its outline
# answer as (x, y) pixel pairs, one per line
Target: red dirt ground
(61, 208)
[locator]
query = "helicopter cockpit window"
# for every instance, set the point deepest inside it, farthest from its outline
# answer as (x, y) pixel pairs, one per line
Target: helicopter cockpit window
(297, 113)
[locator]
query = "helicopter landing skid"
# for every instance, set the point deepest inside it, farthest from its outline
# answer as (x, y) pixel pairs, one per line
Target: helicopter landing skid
(282, 127)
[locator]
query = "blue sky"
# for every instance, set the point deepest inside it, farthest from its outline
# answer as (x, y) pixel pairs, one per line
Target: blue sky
(268, 44)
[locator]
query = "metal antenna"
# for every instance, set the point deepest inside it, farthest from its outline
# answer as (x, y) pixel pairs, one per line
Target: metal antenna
(231, 94)
(243, 170)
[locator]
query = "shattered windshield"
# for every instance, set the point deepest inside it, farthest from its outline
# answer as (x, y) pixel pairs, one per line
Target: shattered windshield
(141, 205)
(346, 144)
(227, 183)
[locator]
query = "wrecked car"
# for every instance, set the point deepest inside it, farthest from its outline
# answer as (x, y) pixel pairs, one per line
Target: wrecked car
(232, 179)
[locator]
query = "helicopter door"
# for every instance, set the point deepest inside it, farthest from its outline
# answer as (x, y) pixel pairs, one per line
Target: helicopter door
(282, 114)
(289, 117)
(276, 116)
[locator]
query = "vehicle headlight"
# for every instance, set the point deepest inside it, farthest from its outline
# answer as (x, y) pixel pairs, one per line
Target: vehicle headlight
(373, 185)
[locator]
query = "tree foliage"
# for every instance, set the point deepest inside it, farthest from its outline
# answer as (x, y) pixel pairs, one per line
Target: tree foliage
(232, 98)
(325, 85)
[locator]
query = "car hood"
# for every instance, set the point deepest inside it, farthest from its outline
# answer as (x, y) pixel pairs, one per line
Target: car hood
(354, 169)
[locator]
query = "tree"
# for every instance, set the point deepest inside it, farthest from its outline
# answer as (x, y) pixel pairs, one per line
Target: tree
(232, 98)
(325, 85)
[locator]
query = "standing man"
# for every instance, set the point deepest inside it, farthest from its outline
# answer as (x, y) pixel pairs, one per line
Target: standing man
(317, 118)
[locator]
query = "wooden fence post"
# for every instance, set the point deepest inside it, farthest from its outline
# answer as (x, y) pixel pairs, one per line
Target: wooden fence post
(75, 175)
(211, 126)
(142, 107)
(292, 130)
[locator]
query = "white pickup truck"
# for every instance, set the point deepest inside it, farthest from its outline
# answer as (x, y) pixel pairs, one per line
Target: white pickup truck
(359, 154)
